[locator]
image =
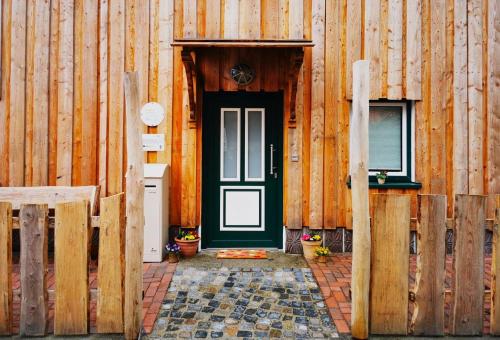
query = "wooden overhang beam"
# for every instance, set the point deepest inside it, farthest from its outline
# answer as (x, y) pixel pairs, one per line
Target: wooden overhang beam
(191, 76)
(297, 60)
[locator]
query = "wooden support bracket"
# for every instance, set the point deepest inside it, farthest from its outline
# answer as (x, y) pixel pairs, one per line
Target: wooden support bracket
(190, 68)
(296, 63)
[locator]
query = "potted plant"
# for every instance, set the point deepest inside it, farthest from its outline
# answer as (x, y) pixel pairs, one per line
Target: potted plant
(309, 242)
(381, 176)
(188, 242)
(173, 252)
(322, 253)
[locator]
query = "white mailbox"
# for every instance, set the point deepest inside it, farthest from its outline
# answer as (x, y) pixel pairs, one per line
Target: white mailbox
(156, 207)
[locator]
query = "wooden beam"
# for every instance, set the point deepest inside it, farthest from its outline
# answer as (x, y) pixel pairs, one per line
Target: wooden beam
(34, 266)
(6, 312)
(134, 210)
(191, 76)
(296, 65)
(261, 43)
(358, 161)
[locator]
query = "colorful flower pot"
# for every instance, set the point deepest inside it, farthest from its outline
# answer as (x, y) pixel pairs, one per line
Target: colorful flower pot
(188, 247)
(309, 247)
(381, 180)
(322, 259)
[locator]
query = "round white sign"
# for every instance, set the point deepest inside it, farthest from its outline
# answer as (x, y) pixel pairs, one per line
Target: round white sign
(152, 114)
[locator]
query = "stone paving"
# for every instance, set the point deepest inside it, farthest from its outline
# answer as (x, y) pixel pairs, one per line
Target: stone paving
(243, 302)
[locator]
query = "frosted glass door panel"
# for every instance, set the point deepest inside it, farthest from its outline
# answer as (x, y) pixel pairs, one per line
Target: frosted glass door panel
(254, 146)
(230, 144)
(386, 138)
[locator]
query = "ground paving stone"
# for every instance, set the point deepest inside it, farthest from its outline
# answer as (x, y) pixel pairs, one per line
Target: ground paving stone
(243, 303)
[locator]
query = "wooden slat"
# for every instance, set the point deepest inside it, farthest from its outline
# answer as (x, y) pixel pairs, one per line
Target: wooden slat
(6, 312)
(116, 65)
(383, 47)
(395, 50)
(353, 40)
(50, 195)
(134, 211)
(358, 159)
(269, 20)
(475, 95)
(390, 251)
(189, 21)
(428, 313)
(230, 19)
(306, 125)
(213, 19)
(5, 92)
(372, 46)
(103, 95)
(317, 115)
(495, 274)
(296, 19)
(71, 268)
(283, 21)
(468, 265)
(34, 266)
(17, 93)
(249, 19)
(65, 93)
(413, 50)
(53, 90)
(111, 266)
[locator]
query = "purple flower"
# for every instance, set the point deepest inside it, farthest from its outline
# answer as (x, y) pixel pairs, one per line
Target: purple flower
(172, 248)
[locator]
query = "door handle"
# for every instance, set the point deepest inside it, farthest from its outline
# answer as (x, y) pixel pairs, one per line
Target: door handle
(271, 165)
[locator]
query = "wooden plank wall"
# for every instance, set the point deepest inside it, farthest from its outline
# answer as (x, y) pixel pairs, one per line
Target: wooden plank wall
(62, 116)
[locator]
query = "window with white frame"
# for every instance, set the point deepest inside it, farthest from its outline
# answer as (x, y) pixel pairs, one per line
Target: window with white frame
(390, 138)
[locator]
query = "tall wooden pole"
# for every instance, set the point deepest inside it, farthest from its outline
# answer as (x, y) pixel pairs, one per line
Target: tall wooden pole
(359, 190)
(134, 234)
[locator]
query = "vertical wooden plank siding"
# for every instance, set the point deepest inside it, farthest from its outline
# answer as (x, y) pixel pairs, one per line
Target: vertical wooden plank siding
(413, 49)
(493, 105)
(103, 96)
(71, 268)
(34, 232)
(6, 313)
(296, 19)
(283, 19)
(372, 46)
(111, 267)
(230, 19)
(213, 19)
(475, 95)
(390, 251)
(269, 21)
(17, 94)
(395, 50)
(65, 93)
(53, 90)
(5, 92)
(495, 273)
(468, 264)
(428, 313)
(317, 114)
(306, 124)
(248, 19)
(353, 27)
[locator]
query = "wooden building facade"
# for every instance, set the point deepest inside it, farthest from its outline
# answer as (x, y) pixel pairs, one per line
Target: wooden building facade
(62, 105)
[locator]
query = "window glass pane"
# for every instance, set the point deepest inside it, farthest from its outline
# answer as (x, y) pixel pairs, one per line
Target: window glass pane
(385, 137)
(254, 144)
(230, 144)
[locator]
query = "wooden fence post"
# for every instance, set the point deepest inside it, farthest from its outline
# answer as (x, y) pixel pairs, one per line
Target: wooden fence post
(134, 240)
(34, 222)
(428, 312)
(495, 273)
(389, 265)
(358, 137)
(468, 264)
(111, 265)
(5, 268)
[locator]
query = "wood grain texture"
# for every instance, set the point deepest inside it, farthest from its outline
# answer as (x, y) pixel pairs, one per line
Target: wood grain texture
(495, 274)
(296, 19)
(248, 19)
(213, 19)
(134, 211)
(72, 239)
(413, 49)
(358, 160)
(111, 265)
(317, 115)
(428, 313)
(103, 96)
(269, 19)
(230, 19)
(53, 89)
(353, 39)
(468, 265)
(34, 220)
(389, 260)
(372, 47)
(6, 313)
(395, 50)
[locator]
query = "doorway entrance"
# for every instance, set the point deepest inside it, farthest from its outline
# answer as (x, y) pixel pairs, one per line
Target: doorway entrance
(242, 194)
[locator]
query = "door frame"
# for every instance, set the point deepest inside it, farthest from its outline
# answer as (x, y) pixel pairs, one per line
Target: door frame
(278, 103)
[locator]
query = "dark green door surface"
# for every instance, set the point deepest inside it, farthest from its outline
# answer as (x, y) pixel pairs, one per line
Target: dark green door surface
(242, 199)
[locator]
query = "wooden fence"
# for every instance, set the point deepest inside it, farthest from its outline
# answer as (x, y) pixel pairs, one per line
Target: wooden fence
(72, 236)
(390, 293)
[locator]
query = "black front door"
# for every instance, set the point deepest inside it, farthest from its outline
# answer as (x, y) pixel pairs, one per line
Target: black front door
(242, 199)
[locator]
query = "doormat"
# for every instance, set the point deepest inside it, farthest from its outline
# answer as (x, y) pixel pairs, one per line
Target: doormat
(242, 254)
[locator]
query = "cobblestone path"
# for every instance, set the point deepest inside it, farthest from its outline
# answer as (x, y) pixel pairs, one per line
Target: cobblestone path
(239, 302)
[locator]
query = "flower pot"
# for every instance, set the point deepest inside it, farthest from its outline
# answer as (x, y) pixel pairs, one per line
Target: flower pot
(173, 257)
(309, 247)
(188, 247)
(381, 180)
(322, 259)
